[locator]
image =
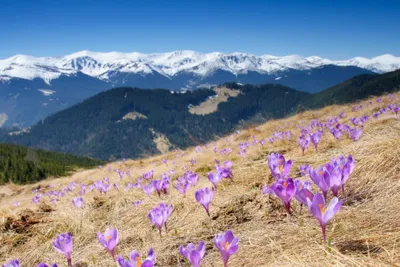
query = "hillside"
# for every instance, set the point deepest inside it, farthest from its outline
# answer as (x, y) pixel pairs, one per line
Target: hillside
(358, 87)
(26, 165)
(363, 232)
(97, 128)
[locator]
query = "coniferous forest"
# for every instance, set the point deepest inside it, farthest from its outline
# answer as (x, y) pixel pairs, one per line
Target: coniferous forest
(25, 165)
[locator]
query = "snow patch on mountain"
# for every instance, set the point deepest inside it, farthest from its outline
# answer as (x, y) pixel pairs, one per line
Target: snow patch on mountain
(3, 118)
(46, 92)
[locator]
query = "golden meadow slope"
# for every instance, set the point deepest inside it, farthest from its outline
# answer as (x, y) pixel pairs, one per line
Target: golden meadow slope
(365, 232)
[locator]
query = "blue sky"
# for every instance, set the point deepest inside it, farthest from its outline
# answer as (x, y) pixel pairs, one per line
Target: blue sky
(334, 29)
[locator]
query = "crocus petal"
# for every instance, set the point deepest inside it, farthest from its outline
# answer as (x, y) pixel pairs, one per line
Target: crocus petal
(112, 236)
(151, 256)
(202, 249)
(147, 263)
(331, 209)
(314, 176)
(315, 206)
(102, 240)
(195, 258)
(288, 167)
(133, 255)
(229, 236)
(234, 246)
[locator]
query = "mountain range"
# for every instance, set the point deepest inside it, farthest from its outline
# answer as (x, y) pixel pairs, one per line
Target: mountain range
(132, 122)
(31, 88)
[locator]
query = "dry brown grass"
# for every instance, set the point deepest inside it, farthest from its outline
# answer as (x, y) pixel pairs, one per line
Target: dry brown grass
(211, 104)
(365, 232)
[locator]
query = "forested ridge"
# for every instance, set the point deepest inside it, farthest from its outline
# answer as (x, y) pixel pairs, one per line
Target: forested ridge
(24, 165)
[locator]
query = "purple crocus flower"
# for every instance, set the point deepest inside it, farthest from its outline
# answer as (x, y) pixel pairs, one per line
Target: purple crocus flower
(204, 197)
(167, 211)
(322, 212)
(158, 216)
(148, 175)
(182, 185)
(262, 142)
(225, 170)
(284, 189)
(303, 191)
(78, 202)
(346, 167)
(37, 198)
(316, 138)
(192, 254)
(227, 245)
(148, 189)
(304, 142)
(137, 203)
(356, 133)
(280, 168)
(63, 244)
(321, 180)
(192, 178)
(364, 118)
(45, 265)
(101, 186)
(136, 261)
(157, 185)
(337, 133)
(356, 121)
(333, 175)
(165, 181)
(214, 178)
(109, 240)
(11, 263)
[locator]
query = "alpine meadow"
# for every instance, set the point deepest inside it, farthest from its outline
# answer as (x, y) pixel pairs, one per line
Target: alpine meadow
(199, 134)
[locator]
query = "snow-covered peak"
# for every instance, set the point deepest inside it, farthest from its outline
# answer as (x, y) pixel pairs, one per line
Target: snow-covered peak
(103, 65)
(387, 59)
(318, 60)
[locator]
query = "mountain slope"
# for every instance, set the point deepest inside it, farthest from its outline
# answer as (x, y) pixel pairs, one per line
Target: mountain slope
(27, 101)
(127, 122)
(96, 127)
(363, 233)
(357, 88)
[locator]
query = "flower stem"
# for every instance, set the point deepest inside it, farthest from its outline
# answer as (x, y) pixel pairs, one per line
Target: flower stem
(323, 228)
